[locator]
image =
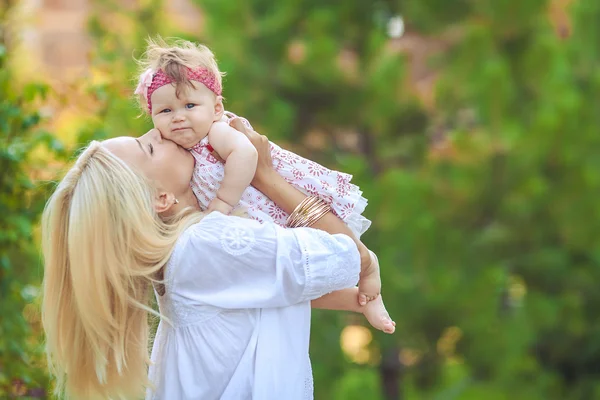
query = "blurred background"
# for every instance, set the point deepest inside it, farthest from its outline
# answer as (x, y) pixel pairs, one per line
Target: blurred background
(470, 125)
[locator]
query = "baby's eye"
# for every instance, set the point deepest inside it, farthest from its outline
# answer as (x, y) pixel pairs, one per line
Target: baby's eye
(190, 105)
(166, 110)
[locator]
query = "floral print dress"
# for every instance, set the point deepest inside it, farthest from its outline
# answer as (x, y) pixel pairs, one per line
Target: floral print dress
(309, 177)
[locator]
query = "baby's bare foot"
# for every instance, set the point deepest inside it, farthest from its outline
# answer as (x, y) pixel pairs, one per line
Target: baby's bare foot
(378, 316)
(369, 285)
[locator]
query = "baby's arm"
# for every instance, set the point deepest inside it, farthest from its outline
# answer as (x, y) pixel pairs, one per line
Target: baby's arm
(240, 163)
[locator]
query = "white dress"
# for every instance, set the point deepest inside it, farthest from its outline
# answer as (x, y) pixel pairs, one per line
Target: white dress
(237, 297)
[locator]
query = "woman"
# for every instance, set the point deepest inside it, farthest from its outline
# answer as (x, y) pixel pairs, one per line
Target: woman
(234, 295)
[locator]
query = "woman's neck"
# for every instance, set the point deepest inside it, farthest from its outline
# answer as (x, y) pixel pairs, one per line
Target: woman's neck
(188, 199)
(184, 200)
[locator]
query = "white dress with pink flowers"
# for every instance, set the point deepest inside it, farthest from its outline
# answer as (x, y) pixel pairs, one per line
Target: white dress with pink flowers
(345, 198)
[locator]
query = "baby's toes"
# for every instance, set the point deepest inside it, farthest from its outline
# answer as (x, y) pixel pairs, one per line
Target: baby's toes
(362, 299)
(389, 326)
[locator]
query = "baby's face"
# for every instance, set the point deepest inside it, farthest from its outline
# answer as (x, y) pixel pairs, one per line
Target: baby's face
(185, 120)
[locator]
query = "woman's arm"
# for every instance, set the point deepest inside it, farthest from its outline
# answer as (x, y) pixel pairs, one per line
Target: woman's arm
(345, 300)
(341, 300)
(288, 197)
(269, 182)
(246, 264)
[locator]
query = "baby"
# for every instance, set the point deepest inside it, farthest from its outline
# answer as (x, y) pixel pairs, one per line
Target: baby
(181, 89)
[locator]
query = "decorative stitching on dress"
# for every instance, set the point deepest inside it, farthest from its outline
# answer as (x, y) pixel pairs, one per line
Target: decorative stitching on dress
(307, 274)
(337, 265)
(237, 239)
(186, 314)
(309, 386)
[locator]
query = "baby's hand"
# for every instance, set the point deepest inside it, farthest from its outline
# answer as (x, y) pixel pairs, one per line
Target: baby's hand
(378, 316)
(219, 205)
(369, 285)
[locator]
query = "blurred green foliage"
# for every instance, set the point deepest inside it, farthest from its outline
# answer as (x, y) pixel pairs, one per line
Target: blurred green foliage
(487, 236)
(21, 202)
(486, 219)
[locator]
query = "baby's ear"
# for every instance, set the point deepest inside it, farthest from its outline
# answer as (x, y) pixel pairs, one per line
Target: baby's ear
(219, 109)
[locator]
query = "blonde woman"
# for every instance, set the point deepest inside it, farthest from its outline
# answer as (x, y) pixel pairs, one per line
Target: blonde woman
(234, 294)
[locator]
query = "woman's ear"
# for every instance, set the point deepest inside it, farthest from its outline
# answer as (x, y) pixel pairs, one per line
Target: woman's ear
(219, 109)
(165, 202)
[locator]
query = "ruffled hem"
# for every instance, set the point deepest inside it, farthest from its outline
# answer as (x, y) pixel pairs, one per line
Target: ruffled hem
(335, 187)
(357, 222)
(351, 211)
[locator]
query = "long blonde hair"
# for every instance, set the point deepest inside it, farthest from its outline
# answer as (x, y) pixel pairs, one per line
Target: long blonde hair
(173, 58)
(104, 245)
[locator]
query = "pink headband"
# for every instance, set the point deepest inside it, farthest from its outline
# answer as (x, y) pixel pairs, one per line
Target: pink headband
(150, 81)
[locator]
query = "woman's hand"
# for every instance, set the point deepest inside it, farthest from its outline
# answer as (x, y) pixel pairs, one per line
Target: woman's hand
(264, 167)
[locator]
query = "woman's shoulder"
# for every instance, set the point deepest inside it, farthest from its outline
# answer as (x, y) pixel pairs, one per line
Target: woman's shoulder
(217, 238)
(216, 221)
(201, 229)
(225, 231)
(190, 239)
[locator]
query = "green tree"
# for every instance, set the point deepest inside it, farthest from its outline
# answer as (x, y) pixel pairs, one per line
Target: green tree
(305, 69)
(21, 202)
(484, 203)
(488, 237)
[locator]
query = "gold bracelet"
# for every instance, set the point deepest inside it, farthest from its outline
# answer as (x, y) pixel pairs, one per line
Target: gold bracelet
(315, 211)
(299, 212)
(309, 211)
(295, 216)
(316, 216)
(321, 213)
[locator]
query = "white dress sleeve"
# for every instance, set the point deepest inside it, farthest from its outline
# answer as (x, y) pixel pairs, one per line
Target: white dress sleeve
(231, 262)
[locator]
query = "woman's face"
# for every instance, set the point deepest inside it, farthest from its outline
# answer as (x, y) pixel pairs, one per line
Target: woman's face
(160, 160)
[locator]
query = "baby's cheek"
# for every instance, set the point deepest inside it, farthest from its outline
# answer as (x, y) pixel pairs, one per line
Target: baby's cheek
(165, 132)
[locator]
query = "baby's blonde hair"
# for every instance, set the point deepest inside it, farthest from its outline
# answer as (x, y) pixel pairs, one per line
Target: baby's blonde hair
(104, 245)
(173, 59)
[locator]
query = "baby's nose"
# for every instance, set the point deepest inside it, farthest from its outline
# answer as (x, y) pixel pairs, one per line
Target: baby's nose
(177, 116)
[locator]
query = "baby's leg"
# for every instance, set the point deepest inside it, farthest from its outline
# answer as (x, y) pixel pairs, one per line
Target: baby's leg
(369, 285)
